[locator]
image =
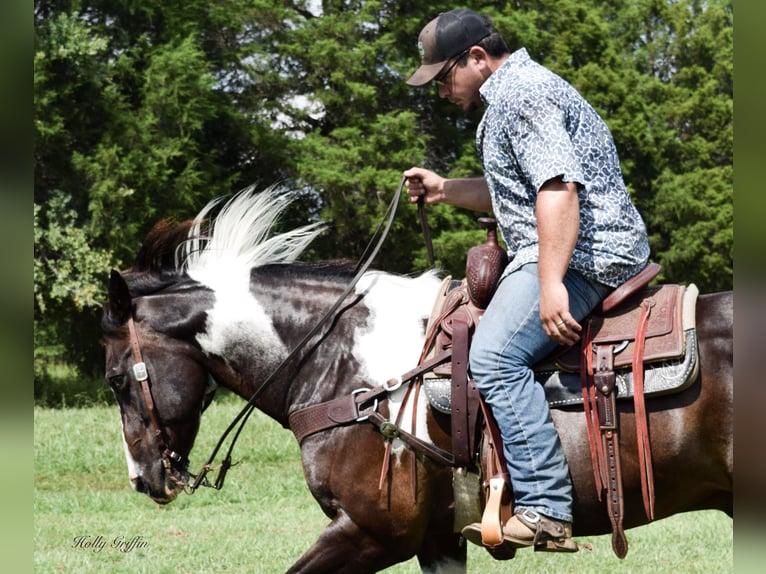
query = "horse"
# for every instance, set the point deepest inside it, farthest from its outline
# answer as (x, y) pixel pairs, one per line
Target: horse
(225, 301)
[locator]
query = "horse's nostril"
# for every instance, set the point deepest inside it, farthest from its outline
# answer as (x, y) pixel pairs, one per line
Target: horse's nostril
(139, 485)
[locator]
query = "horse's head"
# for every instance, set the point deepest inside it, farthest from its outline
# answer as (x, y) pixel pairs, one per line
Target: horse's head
(159, 378)
(182, 316)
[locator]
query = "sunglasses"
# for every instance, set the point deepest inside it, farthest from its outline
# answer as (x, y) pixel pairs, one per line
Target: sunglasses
(441, 79)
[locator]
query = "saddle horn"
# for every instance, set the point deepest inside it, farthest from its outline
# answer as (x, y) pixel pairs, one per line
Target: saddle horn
(484, 265)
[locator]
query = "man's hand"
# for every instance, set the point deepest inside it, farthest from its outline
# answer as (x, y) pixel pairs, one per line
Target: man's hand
(558, 220)
(470, 193)
(558, 323)
(424, 183)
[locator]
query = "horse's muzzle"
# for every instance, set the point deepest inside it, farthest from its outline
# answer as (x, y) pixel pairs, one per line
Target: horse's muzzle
(165, 484)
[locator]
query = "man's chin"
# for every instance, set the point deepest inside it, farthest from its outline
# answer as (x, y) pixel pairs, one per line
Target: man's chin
(467, 106)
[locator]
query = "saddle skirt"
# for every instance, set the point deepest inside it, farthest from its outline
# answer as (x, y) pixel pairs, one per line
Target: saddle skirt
(671, 358)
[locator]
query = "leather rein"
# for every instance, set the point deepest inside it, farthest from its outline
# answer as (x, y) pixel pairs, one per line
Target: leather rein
(359, 398)
(240, 420)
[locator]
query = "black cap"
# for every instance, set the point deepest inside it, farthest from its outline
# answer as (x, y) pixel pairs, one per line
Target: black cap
(443, 38)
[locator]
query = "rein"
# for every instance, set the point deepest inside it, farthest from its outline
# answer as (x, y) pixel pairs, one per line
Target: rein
(241, 419)
(426, 230)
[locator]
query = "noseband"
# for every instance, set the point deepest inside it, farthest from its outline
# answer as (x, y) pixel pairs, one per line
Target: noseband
(167, 455)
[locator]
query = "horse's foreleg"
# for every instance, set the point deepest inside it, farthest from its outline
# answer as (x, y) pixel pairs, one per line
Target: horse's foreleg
(344, 547)
(443, 553)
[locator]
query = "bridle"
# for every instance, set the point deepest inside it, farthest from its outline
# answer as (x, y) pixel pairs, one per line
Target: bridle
(141, 374)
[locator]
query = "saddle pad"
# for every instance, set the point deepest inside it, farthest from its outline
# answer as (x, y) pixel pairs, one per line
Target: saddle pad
(664, 333)
(563, 389)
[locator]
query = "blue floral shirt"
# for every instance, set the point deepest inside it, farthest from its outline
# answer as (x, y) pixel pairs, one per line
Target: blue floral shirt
(536, 127)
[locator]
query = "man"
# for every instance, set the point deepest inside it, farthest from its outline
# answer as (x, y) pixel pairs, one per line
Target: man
(553, 180)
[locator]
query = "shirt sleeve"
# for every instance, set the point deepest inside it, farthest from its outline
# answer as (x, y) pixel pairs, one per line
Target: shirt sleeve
(542, 145)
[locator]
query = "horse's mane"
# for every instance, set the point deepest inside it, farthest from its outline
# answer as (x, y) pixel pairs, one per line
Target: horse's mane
(212, 248)
(155, 266)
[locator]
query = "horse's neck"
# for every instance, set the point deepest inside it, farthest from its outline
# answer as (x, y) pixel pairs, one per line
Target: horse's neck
(376, 335)
(272, 325)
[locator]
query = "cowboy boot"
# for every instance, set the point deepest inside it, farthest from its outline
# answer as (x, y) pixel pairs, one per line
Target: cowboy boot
(529, 528)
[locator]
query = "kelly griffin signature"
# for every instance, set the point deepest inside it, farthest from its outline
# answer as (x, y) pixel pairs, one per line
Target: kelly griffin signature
(98, 543)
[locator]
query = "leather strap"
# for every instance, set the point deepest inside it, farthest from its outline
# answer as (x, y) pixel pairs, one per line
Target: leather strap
(499, 505)
(454, 299)
(329, 414)
(591, 413)
(604, 382)
(632, 285)
(346, 409)
(459, 418)
(141, 374)
(642, 429)
(426, 230)
(389, 429)
(389, 440)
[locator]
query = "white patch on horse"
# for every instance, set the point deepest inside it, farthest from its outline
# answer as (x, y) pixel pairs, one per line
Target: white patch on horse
(391, 344)
(238, 329)
(221, 252)
(134, 471)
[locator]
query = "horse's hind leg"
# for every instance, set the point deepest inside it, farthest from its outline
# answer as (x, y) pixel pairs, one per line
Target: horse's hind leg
(344, 548)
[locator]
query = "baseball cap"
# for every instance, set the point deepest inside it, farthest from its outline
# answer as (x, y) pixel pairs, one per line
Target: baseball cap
(443, 38)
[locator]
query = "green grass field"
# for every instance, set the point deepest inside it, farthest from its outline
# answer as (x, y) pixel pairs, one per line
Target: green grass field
(88, 519)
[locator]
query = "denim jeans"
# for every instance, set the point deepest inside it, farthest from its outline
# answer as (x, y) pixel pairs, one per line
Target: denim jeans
(508, 342)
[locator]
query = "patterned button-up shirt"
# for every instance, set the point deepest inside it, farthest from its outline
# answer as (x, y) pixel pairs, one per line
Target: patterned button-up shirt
(536, 127)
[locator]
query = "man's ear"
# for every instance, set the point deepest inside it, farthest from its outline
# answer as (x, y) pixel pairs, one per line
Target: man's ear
(478, 53)
(479, 58)
(120, 302)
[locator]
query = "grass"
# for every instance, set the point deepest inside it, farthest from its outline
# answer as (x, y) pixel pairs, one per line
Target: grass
(264, 518)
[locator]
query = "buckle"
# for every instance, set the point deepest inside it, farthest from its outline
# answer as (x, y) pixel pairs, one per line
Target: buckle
(363, 417)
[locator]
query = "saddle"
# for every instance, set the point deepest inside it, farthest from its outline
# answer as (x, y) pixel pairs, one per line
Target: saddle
(636, 327)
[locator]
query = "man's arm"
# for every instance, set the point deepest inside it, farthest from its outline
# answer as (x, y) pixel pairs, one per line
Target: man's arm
(558, 222)
(470, 193)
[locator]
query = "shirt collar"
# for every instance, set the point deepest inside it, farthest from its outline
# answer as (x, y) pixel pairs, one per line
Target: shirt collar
(510, 67)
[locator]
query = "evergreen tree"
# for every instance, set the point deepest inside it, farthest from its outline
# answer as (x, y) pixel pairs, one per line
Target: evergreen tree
(146, 109)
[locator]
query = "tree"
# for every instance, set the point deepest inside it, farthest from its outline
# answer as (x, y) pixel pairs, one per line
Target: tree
(147, 109)
(132, 123)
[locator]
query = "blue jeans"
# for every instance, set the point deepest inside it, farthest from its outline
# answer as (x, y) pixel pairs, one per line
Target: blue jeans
(508, 342)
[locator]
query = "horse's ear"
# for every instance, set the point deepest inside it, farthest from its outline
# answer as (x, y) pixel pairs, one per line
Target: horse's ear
(119, 298)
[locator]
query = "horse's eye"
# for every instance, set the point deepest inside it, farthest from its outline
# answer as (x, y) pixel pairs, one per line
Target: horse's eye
(117, 381)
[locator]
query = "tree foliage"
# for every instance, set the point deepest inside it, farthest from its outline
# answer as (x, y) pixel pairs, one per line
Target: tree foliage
(147, 109)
